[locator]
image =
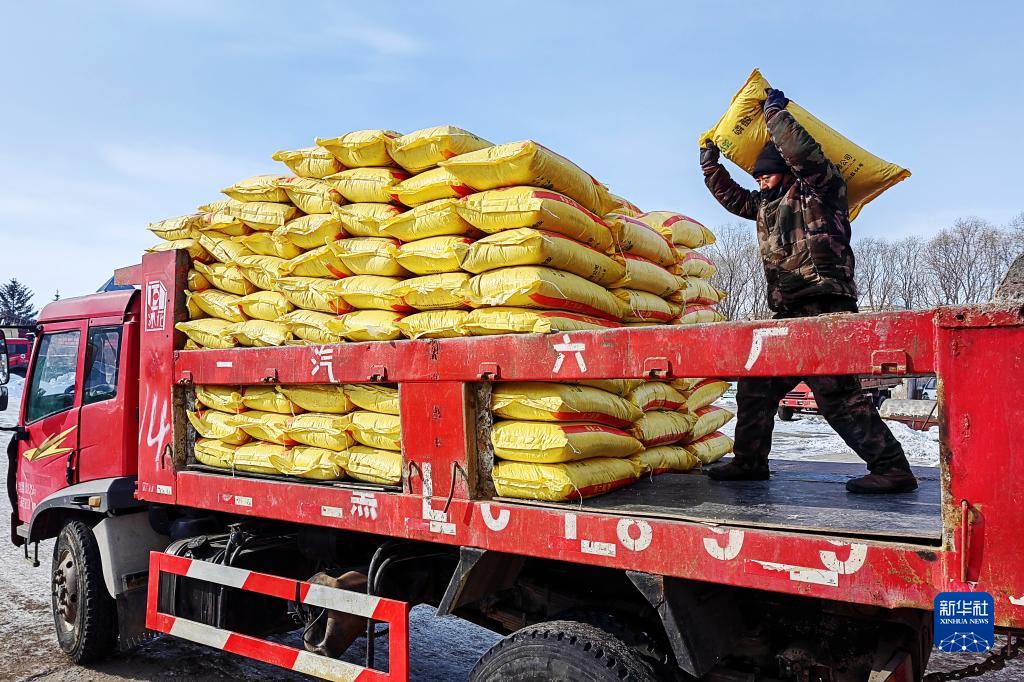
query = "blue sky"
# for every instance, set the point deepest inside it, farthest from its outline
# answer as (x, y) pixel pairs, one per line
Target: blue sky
(119, 113)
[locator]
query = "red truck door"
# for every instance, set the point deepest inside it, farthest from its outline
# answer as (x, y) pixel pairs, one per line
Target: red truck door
(101, 438)
(50, 412)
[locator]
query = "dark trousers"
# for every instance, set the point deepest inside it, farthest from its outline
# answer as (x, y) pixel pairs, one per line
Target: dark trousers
(840, 400)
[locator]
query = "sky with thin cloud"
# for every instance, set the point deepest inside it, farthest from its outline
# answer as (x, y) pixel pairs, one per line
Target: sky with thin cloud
(119, 113)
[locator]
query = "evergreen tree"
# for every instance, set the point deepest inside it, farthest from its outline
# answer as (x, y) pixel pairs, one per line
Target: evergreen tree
(16, 304)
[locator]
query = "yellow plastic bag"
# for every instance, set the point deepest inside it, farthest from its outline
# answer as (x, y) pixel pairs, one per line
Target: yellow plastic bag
(435, 184)
(742, 133)
(433, 255)
(699, 314)
(326, 398)
(262, 271)
(370, 292)
(528, 163)
(257, 188)
(214, 453)
(433, 292)
(262, 215)
(377, 430)
(370, 256)
(318, 262)
(221, 247)
(504, 320)
(643, 306)
(434, 324)
(699, 291)
(195, 250)
(265, 305)
(360, 185)
(665, 458)
(372, 465)
(547, 443)
(381, 398)
(267, 244)
(311, 231)
(433, 219)
(422, 149)
(360, 148)
(227, 278)
(656, 395)
(515, 207)
(681, 230)
(544, 401)
(220, 425)
(217, 304)
(196, 281)
(637, 238)
(662, 427)
(311, 196)
(214, 206)
(622, 206)
(265, 426)
(704, 392)
(304, 461)
(222, 223)
(313, 293)
(268, 399)
(536, 287)
(310, 162)
(256, 458)
(526, 246)
(321, 430)
(222, 398)
(643, 275)
(365, 219)
(368, 325)
(710, 448)
(183, 227)
(692, 263)
(259, 333)
(563, 482)
(311, 326)
(620, 387)
(708, 420)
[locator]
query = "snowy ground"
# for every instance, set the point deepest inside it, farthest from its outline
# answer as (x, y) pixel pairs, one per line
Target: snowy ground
(442, 649)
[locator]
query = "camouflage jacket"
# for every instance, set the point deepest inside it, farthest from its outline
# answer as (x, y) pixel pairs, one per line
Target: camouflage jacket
(804, 234)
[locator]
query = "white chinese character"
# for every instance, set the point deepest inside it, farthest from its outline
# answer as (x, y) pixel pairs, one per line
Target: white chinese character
(323, 358)
(364, 505)
(980, 609)
(568, 347)
(946, 607)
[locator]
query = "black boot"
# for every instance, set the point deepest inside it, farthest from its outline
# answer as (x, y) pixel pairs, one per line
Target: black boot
(883, 482)
(739, 471)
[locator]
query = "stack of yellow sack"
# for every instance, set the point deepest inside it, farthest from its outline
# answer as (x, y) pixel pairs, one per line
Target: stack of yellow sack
(664, 424)
(704, 441)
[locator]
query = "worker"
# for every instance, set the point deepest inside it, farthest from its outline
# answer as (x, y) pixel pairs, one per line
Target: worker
(803, 229)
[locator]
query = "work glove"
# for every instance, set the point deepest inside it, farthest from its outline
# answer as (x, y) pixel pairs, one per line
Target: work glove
(709, 155)
(775, 101)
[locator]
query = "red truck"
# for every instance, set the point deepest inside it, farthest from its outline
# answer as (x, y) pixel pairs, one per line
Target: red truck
(670, 578)
(18, 352)
(801, 399)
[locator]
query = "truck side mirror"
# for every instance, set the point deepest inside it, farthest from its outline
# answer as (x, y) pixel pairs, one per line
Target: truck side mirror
(5, 370)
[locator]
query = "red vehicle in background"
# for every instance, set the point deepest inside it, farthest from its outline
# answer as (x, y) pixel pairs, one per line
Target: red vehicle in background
(19, 351)
(801, 398)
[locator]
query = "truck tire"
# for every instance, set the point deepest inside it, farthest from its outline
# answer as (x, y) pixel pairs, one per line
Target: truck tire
(561, 651)
(785, 413)
(84, 613)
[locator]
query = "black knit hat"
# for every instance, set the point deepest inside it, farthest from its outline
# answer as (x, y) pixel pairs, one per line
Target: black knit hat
(769, 161)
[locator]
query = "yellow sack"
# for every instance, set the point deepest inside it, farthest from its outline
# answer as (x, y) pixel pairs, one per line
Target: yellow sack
(381, 398)
(699, 291)
(692, 263)
(637, 238)
(262, 271)
(543, 401)
(623, 207)
(256, 458)
(662, 427)
(217, 304)
(643, 306)
(221, 247)
(682, 230)
(742, 133)
(318, 262)
(620, 387)
(317, 464)
(326, 398)
(259, 333)
(371, 465)
(265, 426)
(311, 196)
(704, 392)
(360, 185)
(439, 183)
(514, 207)
(536, 287)
(433, 255)
(643, 275)
(377, 430)
(709, 420)
(214, 453)
(656, 395)
(370, 256)
(665, 458)
(310, 162)
(526, 246)
(227, 278)
(214, 206)
(710, 448)
(563, 482)
(196, 281)
(433, 292)
(262, 215)
(222, 398)
(422, 149)
(366, 219)
(311, 326)
(220, 222)
(311, 231)
(434, 324)
(195, 250)
(257, 188)
(360, 148)
(370, 292)
(528, 163)
(368, 325)
(433, 219)
(699, 314)
(214, 424)
(321, 430)
(268, 399)
(267, 244)
(547, 443)
(183, 227)
(313, 293)
(503, 320)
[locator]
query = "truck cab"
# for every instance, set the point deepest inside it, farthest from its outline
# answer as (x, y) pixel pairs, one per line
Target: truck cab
(18, 353)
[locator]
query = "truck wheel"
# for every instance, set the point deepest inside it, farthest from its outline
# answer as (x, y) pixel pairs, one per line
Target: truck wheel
(561, 651)
(785, 413)
(83, 611)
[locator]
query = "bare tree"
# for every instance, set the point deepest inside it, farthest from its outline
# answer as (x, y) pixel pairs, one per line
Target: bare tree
(736, 255)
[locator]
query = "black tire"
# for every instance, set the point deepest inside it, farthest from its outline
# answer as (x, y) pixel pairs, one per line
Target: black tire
(561, 651)
(785, 413)
(84, 613)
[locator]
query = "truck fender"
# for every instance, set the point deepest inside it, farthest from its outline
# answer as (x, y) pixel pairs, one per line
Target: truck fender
(106, 495)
